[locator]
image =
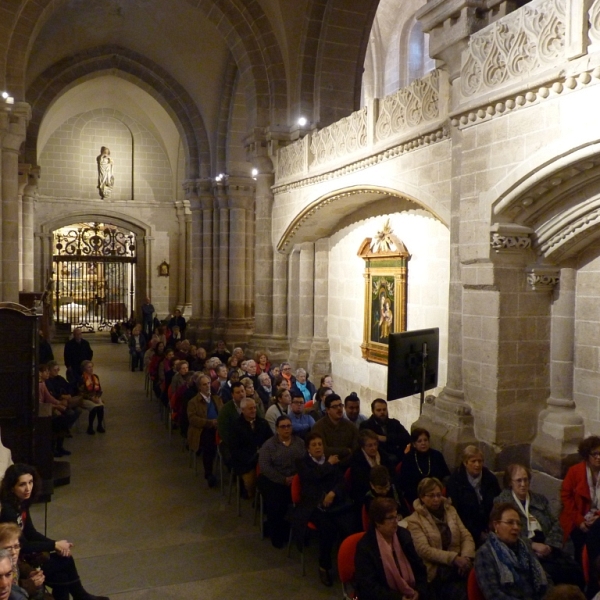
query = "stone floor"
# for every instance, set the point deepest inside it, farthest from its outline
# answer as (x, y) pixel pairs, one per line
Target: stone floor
(144, 526)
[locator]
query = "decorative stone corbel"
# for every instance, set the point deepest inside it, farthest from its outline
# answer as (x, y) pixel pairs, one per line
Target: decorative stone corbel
(510, 237)
(542, 279)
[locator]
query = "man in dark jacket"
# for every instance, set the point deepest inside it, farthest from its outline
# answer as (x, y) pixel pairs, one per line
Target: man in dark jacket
(393, 436)
(76, 351)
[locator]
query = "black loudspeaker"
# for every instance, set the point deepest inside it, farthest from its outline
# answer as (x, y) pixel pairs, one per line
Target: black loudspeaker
(412, 363)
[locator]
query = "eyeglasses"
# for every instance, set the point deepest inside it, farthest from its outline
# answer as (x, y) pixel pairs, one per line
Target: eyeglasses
(297, 402)
(288, 426)
(336, 406)
(512, 523)
(433, 495)
(595, 454)
(391, 517)
(14, 548)
(521, 480)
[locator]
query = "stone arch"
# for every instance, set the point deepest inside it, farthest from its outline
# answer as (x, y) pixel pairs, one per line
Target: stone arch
(319, 218)
(247, 32)
(554, 196)
(130, 65)
(340, 57)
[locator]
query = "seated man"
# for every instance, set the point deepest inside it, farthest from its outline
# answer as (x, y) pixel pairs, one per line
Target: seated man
(228, 415)
(301, 423)
(221, 379)
(352, 410)
(221, 352)
(339, 436)
(61, 389)
(248, 434)
(393, 437)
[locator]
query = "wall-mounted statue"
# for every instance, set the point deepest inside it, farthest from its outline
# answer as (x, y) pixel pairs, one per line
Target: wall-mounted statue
(106, 179)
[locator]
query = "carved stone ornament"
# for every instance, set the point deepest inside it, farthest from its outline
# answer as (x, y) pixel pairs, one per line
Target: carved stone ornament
(502, 242)
(542, 279)
(385, 274)
(409, 107)
(521, 43)
(594, 31)
(291, 160)
(345, 136)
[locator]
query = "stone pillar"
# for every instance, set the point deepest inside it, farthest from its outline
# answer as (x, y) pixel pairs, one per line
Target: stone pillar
(149, 262)
(187, 215)
(29, 195)
(280, 283)
(23, 179)
(300, 347)
(180, 212)
(207, 203)
(13, 125)
(43, 259)
(222, 258)
(560, 427)
(241, 202)
(319, 362)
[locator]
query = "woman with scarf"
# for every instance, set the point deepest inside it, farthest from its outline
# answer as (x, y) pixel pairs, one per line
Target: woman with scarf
(302, 386)
(539, 526)
(472, 489)
(91, 396)
(387, 566)
(580, 515)
(505, 566)
(442, 541)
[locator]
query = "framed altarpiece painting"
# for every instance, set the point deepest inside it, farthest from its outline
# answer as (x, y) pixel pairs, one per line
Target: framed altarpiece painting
(386, 260)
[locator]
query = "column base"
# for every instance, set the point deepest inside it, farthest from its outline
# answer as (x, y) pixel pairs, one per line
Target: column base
(300, 353)
(554, 448)
(200, 332)
(319, 360)
(238, 332)
(276, 347)
(450, 423)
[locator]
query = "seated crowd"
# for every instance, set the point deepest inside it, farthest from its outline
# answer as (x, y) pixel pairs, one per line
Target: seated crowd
(322, 466)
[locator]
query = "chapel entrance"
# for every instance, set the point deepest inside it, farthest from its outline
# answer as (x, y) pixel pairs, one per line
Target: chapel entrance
(94, 268)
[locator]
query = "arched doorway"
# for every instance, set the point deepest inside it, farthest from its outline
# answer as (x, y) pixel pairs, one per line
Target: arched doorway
(94, 274)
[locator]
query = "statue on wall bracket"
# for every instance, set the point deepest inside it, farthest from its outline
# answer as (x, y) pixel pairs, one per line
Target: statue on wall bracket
(385, 274)
(106, 179)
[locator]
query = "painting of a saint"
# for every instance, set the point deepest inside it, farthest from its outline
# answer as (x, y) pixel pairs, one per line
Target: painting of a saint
(382, 307)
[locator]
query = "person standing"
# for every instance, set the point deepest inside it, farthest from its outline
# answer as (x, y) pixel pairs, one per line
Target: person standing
(177, 321)
(76, 351)
(147, 317)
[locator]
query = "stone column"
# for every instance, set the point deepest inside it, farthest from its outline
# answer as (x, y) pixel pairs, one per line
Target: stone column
(280, 283)
(29, 195)
(187, 216)
(319, 362)
(560, 427)
(241, 201)
(14, 127)
(207, 202)
(23, 179)
(300, 347)
(222, 284)
(179, 210)
(150, 272)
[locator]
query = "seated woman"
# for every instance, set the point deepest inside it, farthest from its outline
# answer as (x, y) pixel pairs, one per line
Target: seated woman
(17, 491)
(323, 502)
(387, 566)
(442, 541)
(27, 582)
(580, 496)
(262, 362)
(472, 489)
(91, 396)
(164, 375)
(303, 386)
(251, 393)
(318, 410)
(363, 460)
(277, 463)
(539, 526)
(422, 461)
(506, 567)
(381, 486)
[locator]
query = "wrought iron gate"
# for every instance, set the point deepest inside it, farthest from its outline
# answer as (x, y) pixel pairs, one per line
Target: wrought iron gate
(94, 275)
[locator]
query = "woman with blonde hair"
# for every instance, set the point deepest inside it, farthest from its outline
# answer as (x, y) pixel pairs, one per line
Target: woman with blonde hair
(91, 396)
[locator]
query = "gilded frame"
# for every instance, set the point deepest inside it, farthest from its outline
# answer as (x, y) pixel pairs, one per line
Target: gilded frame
(385, 276)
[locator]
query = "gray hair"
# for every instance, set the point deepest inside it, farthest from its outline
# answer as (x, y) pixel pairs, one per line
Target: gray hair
(300, 371)
(264, 377)
(5, 554)
(245, 401)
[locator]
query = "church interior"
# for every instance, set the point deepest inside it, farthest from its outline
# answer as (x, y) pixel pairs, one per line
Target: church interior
(274, 168)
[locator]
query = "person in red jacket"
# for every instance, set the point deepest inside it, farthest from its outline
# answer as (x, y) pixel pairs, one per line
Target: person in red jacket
(580, 495)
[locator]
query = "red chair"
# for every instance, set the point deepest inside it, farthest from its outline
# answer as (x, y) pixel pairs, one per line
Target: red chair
(296, 493)
(365, 518)
(348, 479)
(308, 405)
(345, 561)
(473, 590)
(585, 564)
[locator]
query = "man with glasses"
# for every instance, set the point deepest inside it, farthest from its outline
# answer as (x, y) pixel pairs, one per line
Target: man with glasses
(339, 436)
(301, 423)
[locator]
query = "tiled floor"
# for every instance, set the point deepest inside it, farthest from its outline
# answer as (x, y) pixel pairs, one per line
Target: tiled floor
(144, 526)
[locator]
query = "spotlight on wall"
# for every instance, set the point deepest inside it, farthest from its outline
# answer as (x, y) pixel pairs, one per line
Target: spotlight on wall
(254, 173)
(220, 177)
(302, 121)
(5, 95)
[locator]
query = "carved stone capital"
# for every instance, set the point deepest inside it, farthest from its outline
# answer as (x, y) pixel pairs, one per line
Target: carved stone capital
(509, 237)
(542, 279)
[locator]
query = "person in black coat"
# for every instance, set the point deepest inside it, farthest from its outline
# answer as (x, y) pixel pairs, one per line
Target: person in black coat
(472, 489)
(17, 491)
(323, 501)
(422, 461)
(403, 575)
(76, 351)
(249, 433)
(179, 321)
(393, 436)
